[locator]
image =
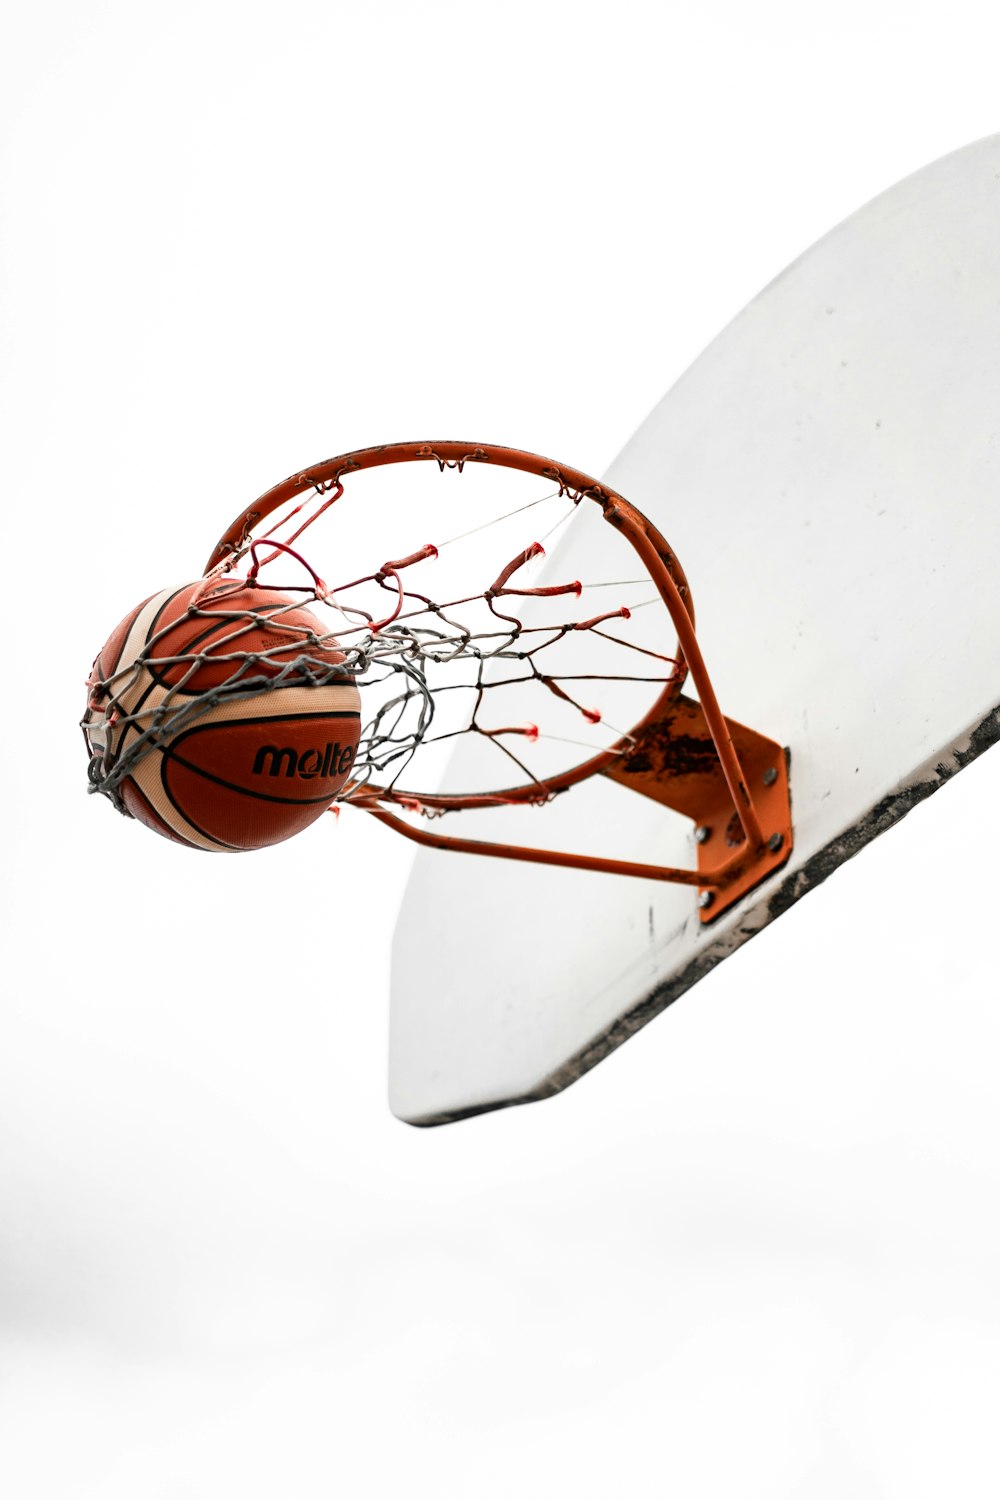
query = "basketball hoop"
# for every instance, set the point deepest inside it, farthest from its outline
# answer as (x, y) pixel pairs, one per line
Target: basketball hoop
(512, 632)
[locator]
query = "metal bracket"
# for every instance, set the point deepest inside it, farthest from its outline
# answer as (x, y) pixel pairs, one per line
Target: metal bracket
(674, 761)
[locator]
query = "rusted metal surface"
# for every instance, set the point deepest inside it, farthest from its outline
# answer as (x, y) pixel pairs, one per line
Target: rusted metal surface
(675, 762)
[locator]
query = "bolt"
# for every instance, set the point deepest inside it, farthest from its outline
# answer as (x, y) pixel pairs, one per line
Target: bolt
(702, 834)
(770, 776)
(775, 842)
(705, 899)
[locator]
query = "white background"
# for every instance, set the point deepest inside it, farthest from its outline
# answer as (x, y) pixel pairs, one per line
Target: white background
(756, 1251)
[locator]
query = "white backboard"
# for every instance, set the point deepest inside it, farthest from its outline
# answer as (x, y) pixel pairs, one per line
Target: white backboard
(828, 473)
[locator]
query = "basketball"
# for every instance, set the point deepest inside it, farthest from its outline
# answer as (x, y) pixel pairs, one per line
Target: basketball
(221, 715)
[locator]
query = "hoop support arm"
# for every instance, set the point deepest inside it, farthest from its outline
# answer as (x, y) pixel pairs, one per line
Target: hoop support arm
(530, 856)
